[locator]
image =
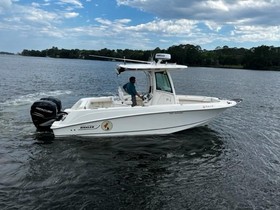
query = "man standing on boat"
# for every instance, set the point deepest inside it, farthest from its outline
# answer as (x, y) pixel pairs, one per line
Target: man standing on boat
(131, 90)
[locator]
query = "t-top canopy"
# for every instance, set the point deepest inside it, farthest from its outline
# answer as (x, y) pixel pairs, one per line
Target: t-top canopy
(149, 67)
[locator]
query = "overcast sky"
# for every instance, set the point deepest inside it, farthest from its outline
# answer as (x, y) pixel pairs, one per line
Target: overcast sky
(137, 24)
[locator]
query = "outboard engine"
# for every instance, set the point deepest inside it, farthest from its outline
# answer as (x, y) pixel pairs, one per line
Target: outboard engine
(45, 111)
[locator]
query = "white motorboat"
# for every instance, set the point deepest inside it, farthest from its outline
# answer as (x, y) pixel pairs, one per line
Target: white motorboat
(160, 111)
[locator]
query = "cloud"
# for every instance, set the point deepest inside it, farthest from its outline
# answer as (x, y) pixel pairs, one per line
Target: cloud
(220, 11)
(75, 3)
(209, 21)
(256, 33)
(166, 27)
(71, 14)
(4, 5)
(103, 21)
(35, 15)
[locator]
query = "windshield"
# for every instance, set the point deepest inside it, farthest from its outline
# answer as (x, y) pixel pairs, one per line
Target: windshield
(162, 82)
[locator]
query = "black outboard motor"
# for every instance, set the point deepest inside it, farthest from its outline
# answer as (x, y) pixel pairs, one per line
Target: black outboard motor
(45, 111)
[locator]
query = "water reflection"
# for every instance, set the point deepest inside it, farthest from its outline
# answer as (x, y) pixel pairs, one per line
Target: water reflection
(43, 137)
(128, 170)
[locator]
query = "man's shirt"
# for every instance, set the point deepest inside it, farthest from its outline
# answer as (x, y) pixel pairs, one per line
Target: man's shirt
(130, 88)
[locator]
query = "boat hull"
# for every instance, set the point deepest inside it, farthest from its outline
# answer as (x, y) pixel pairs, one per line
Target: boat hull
(135, 121)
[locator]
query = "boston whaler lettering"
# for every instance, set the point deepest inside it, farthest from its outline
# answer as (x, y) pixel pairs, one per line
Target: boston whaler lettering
(160, 112)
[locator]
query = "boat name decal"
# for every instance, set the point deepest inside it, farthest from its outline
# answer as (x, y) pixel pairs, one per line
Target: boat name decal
(89, 127)
(207, 106)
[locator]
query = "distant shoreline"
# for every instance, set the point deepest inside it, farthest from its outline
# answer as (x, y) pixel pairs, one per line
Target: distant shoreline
(256, 58)
(6, 53)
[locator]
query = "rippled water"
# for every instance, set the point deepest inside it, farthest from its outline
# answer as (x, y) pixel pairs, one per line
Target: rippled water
(234, 163)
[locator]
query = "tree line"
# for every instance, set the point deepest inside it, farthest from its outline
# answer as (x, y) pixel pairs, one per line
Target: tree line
(258, 58)
(6, 53)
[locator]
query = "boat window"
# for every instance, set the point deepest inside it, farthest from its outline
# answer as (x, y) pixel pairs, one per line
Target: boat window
(162, 82)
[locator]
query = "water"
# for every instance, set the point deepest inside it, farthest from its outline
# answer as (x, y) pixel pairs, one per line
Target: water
(234, 163)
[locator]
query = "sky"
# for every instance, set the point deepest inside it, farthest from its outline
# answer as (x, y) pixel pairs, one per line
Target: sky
(137, 24)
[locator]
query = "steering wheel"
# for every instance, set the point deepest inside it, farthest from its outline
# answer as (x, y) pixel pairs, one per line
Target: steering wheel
(147, 97)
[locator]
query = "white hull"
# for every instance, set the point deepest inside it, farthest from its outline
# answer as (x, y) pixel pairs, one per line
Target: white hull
(125, 121)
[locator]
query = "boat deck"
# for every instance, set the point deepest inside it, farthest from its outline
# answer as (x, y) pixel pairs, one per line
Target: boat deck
(107, 102)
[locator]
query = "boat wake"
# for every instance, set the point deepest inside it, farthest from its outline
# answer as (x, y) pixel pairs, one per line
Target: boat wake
(13, 113)
(30, 98)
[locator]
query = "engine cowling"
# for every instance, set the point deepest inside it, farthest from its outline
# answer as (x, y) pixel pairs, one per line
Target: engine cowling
(54, 100)
(45, 111)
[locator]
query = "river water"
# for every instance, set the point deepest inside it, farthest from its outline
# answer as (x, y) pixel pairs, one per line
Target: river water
(234, 163)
